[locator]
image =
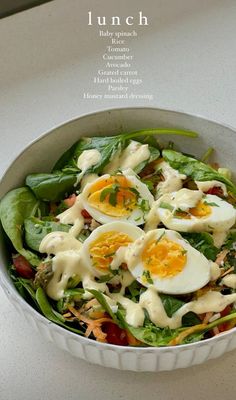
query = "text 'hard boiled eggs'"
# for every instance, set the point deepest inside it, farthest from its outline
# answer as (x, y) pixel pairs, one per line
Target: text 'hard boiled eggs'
(192, 211)
(120, 197)
(162, 258)
(104, 250)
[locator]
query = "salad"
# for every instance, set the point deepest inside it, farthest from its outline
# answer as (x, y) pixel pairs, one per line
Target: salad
(127, 242)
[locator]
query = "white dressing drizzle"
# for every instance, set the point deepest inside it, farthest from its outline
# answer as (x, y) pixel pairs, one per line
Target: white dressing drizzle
(87, 159)
(55, 242)
(152, 218)
(118, 258)
(64, 266)
(184, 199)
(215, 271)
(229, 281)
(211, 301)
(134, 154)
(134, 311)
(73, 216)
(173, 179)
(219, 238)
(87, 179)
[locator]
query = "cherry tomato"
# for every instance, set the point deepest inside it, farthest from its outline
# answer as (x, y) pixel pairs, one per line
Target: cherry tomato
(217, 191)
(23, 267)
(223, 327)
(85, 214)
(226, 311)
(115, 335)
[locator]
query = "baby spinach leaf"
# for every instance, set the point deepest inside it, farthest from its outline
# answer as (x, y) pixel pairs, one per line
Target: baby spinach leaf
(108, 146)
(36, 230)
(152, 335)
(195, 169)
(52, 187)
(203, 242)
(15, 207)
(190, 319)
(50, 313)
(171, 304)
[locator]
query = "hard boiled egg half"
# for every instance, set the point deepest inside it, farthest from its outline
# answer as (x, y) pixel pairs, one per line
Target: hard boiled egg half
(104, 250)
(120, 197)
(193, 211)
(162, 258)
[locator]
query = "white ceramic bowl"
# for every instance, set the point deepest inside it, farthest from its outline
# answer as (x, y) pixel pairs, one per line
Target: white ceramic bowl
(40, 157)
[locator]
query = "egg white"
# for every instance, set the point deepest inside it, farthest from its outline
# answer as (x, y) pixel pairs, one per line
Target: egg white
(195, 274)
(136, 217)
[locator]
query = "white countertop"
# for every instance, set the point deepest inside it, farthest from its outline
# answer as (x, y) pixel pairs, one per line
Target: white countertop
(49, 55)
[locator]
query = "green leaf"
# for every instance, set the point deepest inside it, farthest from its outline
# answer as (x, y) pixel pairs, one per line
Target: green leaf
(212, 204)
(230, 240)
(195, 169)
(171, 304)
(36, 230)
(105, 278)
(101, 299)
(160, 131)
(25, 288)
(150, 334)
(190, 319)
(52, 187)
(50, 313)
(15, 207)
(203, 242)
(108, 147)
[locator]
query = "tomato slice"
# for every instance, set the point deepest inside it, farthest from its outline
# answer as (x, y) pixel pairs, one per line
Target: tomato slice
(217, 191)
(85, 214)
(115, 335)
(223, 327)
(23, 267)
(226, 311)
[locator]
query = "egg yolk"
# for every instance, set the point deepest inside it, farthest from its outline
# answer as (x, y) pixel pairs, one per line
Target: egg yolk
(103, 249)
(164, 258)
(201, 210)
(113, 196)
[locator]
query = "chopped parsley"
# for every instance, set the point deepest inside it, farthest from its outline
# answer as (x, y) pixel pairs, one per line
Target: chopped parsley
(210, 204)
(167, 206)
(147, 276)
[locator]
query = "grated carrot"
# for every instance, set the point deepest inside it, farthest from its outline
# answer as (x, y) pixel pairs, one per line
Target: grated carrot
(227, 272)
(207, 317)
(221, 256)
(132, 341)
(216, 330)
(94, 325)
